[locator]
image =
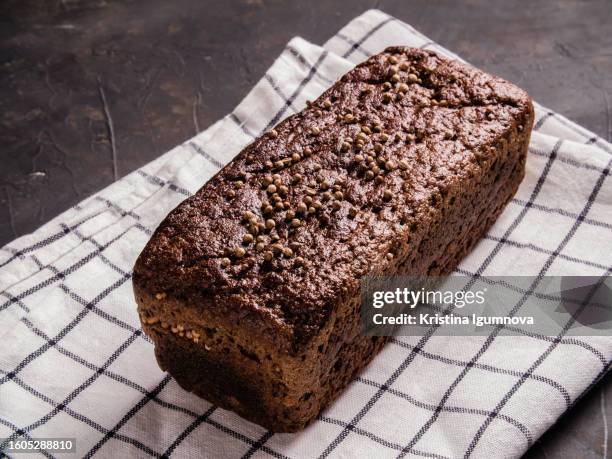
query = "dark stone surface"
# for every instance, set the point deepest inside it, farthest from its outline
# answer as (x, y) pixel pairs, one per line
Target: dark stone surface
(158, 71)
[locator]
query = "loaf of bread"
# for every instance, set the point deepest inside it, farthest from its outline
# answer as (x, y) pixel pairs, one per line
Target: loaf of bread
(250, 289)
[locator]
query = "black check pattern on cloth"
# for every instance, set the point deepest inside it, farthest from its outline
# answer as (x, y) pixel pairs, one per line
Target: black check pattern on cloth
(67, 305)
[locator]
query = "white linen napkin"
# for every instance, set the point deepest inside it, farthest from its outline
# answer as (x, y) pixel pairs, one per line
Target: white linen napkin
(74, 362)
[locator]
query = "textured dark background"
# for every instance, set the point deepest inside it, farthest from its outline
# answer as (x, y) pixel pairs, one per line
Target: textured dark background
(91, 90)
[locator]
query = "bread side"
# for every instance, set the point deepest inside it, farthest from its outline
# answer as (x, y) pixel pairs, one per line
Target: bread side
(250, 288)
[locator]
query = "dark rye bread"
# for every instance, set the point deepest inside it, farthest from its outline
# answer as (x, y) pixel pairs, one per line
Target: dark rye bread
(250, 288)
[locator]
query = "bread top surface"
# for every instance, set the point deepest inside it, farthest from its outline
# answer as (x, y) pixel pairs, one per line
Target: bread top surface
(332, 220)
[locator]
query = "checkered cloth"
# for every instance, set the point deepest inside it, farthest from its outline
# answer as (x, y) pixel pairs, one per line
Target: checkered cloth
(74, 362)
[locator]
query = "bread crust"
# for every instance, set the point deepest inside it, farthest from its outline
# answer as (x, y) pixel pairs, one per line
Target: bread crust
(399, 168)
